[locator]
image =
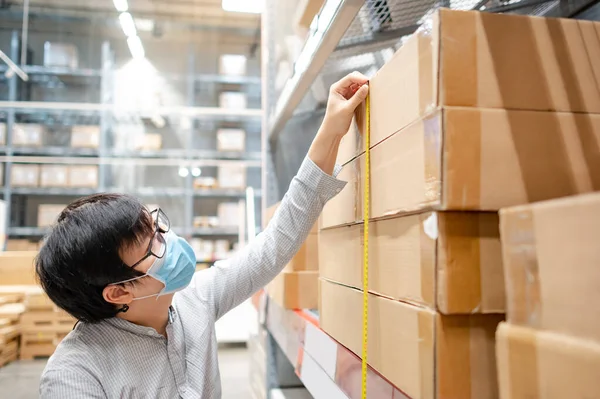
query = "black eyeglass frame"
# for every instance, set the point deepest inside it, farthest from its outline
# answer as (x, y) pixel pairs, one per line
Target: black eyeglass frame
(157, 230)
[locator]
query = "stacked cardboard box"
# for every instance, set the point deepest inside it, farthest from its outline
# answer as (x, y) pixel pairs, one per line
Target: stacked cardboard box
(48, 214)
(85, 136)
(28, 134)
(455, 136)
(231, 139)
(229, 214)
(550, 345)
(22, 245)
(297, 286)
(54, 176)
(233, 100)
(233, 64)
(232, 176)
(83, 176)
(43, 326)
(25, 175)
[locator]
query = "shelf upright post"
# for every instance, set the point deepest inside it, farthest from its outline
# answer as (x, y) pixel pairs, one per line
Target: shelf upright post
(189, 140)
(105, 117)
(10, 120)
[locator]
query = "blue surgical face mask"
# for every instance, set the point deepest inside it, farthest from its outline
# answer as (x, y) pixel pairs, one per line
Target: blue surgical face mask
(175, 270)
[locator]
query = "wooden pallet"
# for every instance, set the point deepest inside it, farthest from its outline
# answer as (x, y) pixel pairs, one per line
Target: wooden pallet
(12, 311)
(11, 298)
(38, 302)
(9, 352)
(9, 341)
(46, 322)
(40, 344)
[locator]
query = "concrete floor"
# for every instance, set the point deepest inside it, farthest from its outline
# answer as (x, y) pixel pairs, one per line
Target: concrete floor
(20, 379)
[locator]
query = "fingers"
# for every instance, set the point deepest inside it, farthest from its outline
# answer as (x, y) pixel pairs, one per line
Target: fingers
(350, 83)
(359, 96)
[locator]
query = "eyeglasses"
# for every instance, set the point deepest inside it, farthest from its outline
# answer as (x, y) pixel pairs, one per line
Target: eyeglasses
(158, 245)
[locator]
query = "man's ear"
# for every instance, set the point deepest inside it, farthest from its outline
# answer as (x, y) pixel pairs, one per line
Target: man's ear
(118, 294)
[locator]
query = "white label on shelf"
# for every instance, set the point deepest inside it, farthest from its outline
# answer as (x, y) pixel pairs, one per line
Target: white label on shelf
(430, 226)
(317, 381)
(322, 348)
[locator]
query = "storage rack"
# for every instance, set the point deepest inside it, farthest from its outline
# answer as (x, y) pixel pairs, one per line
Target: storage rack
(346, 35)
(102, 110)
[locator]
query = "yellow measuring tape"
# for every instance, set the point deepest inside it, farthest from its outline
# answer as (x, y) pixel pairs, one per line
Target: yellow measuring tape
(366, 244)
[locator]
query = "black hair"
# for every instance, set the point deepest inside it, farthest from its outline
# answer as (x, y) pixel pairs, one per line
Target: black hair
(80, 255)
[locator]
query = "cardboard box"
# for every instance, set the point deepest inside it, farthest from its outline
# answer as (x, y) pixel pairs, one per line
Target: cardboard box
(21, 245)
(231, 139)
(54, 176)
(551, 257)
(2, 134)
(229, 214)
(232, 64)
(232, 176)
(295, 290)
(25, 175)
(450, 261)
(83, 176)
(205, 182)
(546, 365)
(27, 134)
(149, 141)
(473, 159)
(469, 59)
(48, 214)
(424, 354)
(85, 136)
(17, 268)
(232, 100)
(60, 55)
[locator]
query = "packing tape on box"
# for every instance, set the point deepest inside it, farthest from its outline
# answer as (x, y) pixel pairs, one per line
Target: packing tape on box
(521, 268)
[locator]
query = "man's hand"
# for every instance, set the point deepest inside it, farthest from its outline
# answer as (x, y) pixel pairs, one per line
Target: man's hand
(344, 96)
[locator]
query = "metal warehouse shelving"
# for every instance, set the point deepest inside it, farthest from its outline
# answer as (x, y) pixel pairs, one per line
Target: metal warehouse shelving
(346, 35)
(102, 111)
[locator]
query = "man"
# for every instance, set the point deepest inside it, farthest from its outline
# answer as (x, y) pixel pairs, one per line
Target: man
(146, 320)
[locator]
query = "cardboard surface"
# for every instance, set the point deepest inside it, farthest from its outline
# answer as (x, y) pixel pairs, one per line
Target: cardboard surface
(232, 176)
(295, 290)
(450, 261)
(231, 139)
(83, 176)
(551, 256)
(546, 365)
(473, 159)
(424, 354)
(22, 175)
(16, 268)
(48, 214)
(54, 176)
(28, 134)
(469, 59)
(85, 136)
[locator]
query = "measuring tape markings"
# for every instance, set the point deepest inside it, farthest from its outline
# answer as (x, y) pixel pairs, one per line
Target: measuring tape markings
(365, 325)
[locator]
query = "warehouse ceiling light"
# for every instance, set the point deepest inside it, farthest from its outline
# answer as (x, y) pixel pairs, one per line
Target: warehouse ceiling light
(135, 47)
(121, 5)
(127, 24)
(247, 6)
(196, 172)
(183, 172)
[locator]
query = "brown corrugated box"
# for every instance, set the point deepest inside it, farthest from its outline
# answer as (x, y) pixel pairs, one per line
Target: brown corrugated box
(469, 59)
(54, 176)
(16, 268)
(48, 214)
(450, 261)
(149, 141)
(21, 245)
(85, 136)
(22, 175)
(27, 134)
(551, 260)
(306, 10)
(473, 159)
(295, 290)
(545, 365)
(424, 354)
(83, 176)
